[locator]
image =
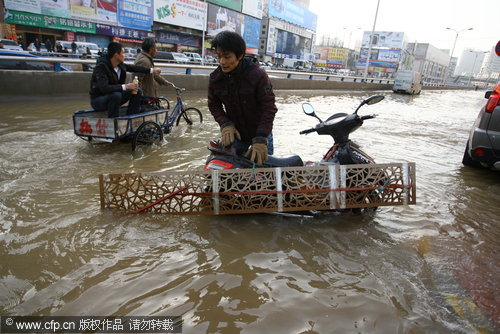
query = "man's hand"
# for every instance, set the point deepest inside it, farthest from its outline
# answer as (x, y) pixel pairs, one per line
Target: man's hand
(157, 71)
(131, 86)
(228, 134)
(258, 151)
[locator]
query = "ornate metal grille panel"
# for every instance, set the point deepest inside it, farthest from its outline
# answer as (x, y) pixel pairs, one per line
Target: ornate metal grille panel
(261, 190)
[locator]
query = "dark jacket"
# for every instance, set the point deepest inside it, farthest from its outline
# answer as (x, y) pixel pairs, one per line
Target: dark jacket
(104, 79)
(245, 97)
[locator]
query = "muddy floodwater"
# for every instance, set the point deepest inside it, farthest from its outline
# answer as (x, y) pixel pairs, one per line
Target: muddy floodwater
(425, 268)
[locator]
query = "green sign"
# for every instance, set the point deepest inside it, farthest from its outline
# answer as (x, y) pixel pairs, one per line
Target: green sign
(44, 21)
(231, 4)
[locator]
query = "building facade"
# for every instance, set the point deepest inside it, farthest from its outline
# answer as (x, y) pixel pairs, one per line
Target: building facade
(288, 31)
(431, 62)
(177, 25)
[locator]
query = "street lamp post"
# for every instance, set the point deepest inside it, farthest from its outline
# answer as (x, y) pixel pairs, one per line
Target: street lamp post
(453, 49)
(370, 43)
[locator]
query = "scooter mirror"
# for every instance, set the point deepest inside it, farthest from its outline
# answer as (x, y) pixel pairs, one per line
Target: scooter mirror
(308, 109)
(374, 99)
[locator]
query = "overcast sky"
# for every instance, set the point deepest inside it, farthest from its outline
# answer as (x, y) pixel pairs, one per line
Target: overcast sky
(424, 21)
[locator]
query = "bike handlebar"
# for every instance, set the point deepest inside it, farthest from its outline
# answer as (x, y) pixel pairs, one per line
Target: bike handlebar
(178, 88)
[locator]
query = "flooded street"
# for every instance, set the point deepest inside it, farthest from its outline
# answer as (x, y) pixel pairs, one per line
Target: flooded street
(430, 267)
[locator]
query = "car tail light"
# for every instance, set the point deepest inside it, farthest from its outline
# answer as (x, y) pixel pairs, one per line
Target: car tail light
(494, 99)
(479, 151)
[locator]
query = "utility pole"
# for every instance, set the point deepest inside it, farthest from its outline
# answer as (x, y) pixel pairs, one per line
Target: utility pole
(371, 40)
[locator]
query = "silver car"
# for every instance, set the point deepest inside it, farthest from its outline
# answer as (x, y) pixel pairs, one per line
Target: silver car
(10, 45)
(483, 146)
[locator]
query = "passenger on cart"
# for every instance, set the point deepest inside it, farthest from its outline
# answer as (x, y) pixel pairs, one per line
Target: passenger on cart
(148, 82)
(108, 90)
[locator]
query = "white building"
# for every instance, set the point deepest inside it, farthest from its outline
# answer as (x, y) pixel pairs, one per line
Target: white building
(490, 68)
(470, 62)
(430, 61)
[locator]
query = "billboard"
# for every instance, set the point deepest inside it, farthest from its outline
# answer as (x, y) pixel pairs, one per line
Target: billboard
(389, 55)
(89, 10)
(382, 66)
(220, 19)
(364, 53)
(189, 14)
(252, 8)
(290, 44)
(251, 33)
(384, 39)
(231, 4)
(292, 12)
(135, 14)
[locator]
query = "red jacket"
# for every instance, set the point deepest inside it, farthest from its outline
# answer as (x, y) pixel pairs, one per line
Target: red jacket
(245, 97)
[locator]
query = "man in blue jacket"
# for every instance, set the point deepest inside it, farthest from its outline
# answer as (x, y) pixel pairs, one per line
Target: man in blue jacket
(108, 90)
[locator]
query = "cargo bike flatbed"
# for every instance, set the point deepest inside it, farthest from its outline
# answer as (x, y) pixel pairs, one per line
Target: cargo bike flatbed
(144, 128)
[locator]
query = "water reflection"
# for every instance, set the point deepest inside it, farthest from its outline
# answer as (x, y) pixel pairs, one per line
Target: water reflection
(401, 269)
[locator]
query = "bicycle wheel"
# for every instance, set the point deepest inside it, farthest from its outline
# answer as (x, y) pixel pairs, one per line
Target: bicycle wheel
(190, 115)
(147, 133)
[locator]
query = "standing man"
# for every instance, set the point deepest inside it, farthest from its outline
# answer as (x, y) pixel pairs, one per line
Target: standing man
(38, 45)
(108, 90)
(48, 45)
(241, 99)
(148, 81)
(73, 47)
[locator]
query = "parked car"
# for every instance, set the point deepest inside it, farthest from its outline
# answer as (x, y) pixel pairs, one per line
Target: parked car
(193, 57)
(180, 58)
(81, 47)
(483, 147)
(164, 56)
(210, 59)
(130, 53)
(264, 65)
(23, 64)
(31, 48)
(9, 44)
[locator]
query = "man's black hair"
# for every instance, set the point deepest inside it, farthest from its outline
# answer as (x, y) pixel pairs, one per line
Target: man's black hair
(113, 48)
(148, 43)
(230, 42)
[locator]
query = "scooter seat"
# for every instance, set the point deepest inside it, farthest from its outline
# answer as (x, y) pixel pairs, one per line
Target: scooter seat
(291, 161)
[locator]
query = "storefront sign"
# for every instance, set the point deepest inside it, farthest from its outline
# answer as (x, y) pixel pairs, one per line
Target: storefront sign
(8, 30)
(177, 38)
(135, 14)
(183, 13)
(104, 29)
(231, 4)
(294, 13)
(44, 21)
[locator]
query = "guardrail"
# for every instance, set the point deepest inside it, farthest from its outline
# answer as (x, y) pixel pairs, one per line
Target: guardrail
(188, 70)
(57, 61)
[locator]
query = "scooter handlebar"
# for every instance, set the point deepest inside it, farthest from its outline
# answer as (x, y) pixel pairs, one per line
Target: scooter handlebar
(368, 117)
(303, 132)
